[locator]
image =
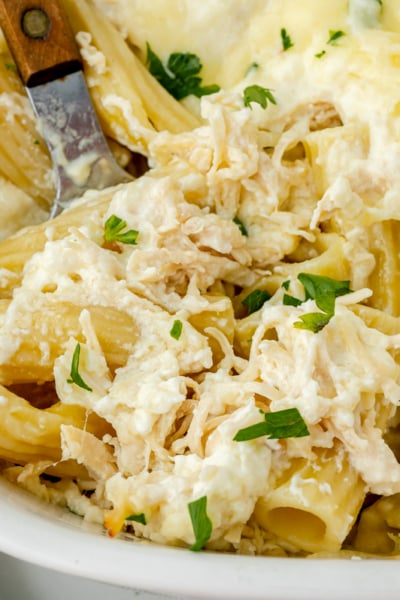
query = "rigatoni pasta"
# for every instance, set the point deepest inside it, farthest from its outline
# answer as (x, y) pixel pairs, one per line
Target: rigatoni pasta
(314, 502)
(122, 89)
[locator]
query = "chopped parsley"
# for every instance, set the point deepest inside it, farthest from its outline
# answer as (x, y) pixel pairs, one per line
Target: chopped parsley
(289, 300)
(10, 66)
(252, 67)
(180, 76)
(113, 228)
(334, 36)
(255, 300)
(139, 518)
(201, 523)
(313, 321)
(286, 40)
(176, 329)
(74, 374)
(282, 424)
(37, 143)
(242, 228)
(260, 95)
(324, 291)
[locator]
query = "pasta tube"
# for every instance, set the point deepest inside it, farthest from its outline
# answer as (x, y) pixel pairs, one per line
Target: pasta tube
(379, 527)
(385, 278)
(223, 320)
(15, 251)
(127, 79)
(325, 147)
(51, 326)
(29, 434)
(24, 159)
(314, 504)
(330, 262)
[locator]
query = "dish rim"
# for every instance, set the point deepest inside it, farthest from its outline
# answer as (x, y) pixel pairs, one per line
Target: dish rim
(53, 538)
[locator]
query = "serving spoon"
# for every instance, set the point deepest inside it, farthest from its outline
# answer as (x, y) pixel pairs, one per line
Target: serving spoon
(48, 60)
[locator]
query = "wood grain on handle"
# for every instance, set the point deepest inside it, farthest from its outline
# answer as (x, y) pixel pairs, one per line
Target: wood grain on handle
(40, 39)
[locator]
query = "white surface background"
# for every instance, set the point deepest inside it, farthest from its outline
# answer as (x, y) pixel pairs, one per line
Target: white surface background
(22, 581)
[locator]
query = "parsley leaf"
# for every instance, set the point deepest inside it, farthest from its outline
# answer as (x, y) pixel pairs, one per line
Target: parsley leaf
(259, 94)
(286, 40)
(255, 300)
(289, 300)
(334, 36)
(313, 321)
(139, 518)
(239, 223)
(176, 329)
(252, 67)
(180, 76)
(201, 522)
(323, 290)
(74, 374)
(112, 231)
(282, 424)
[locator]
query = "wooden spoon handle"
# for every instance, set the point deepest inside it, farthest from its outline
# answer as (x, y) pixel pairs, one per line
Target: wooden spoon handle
(40, 39)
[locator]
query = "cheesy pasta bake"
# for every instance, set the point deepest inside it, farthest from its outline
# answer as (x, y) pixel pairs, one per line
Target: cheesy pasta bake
(209, 356)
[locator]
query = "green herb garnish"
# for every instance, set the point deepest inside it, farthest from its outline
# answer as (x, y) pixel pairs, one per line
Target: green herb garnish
(74, 374)
(286, 40)
(282, 424)
(324, 291)
(37, 143)
(255, 300)
(334, 36)
(239, 223)
(289, 300)
(10, 66)
(313, 321)
(252, 67)
(201, 523)
(180, 75)
(258, 94)
(140, 518)
(176, 329)
(113, 228)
